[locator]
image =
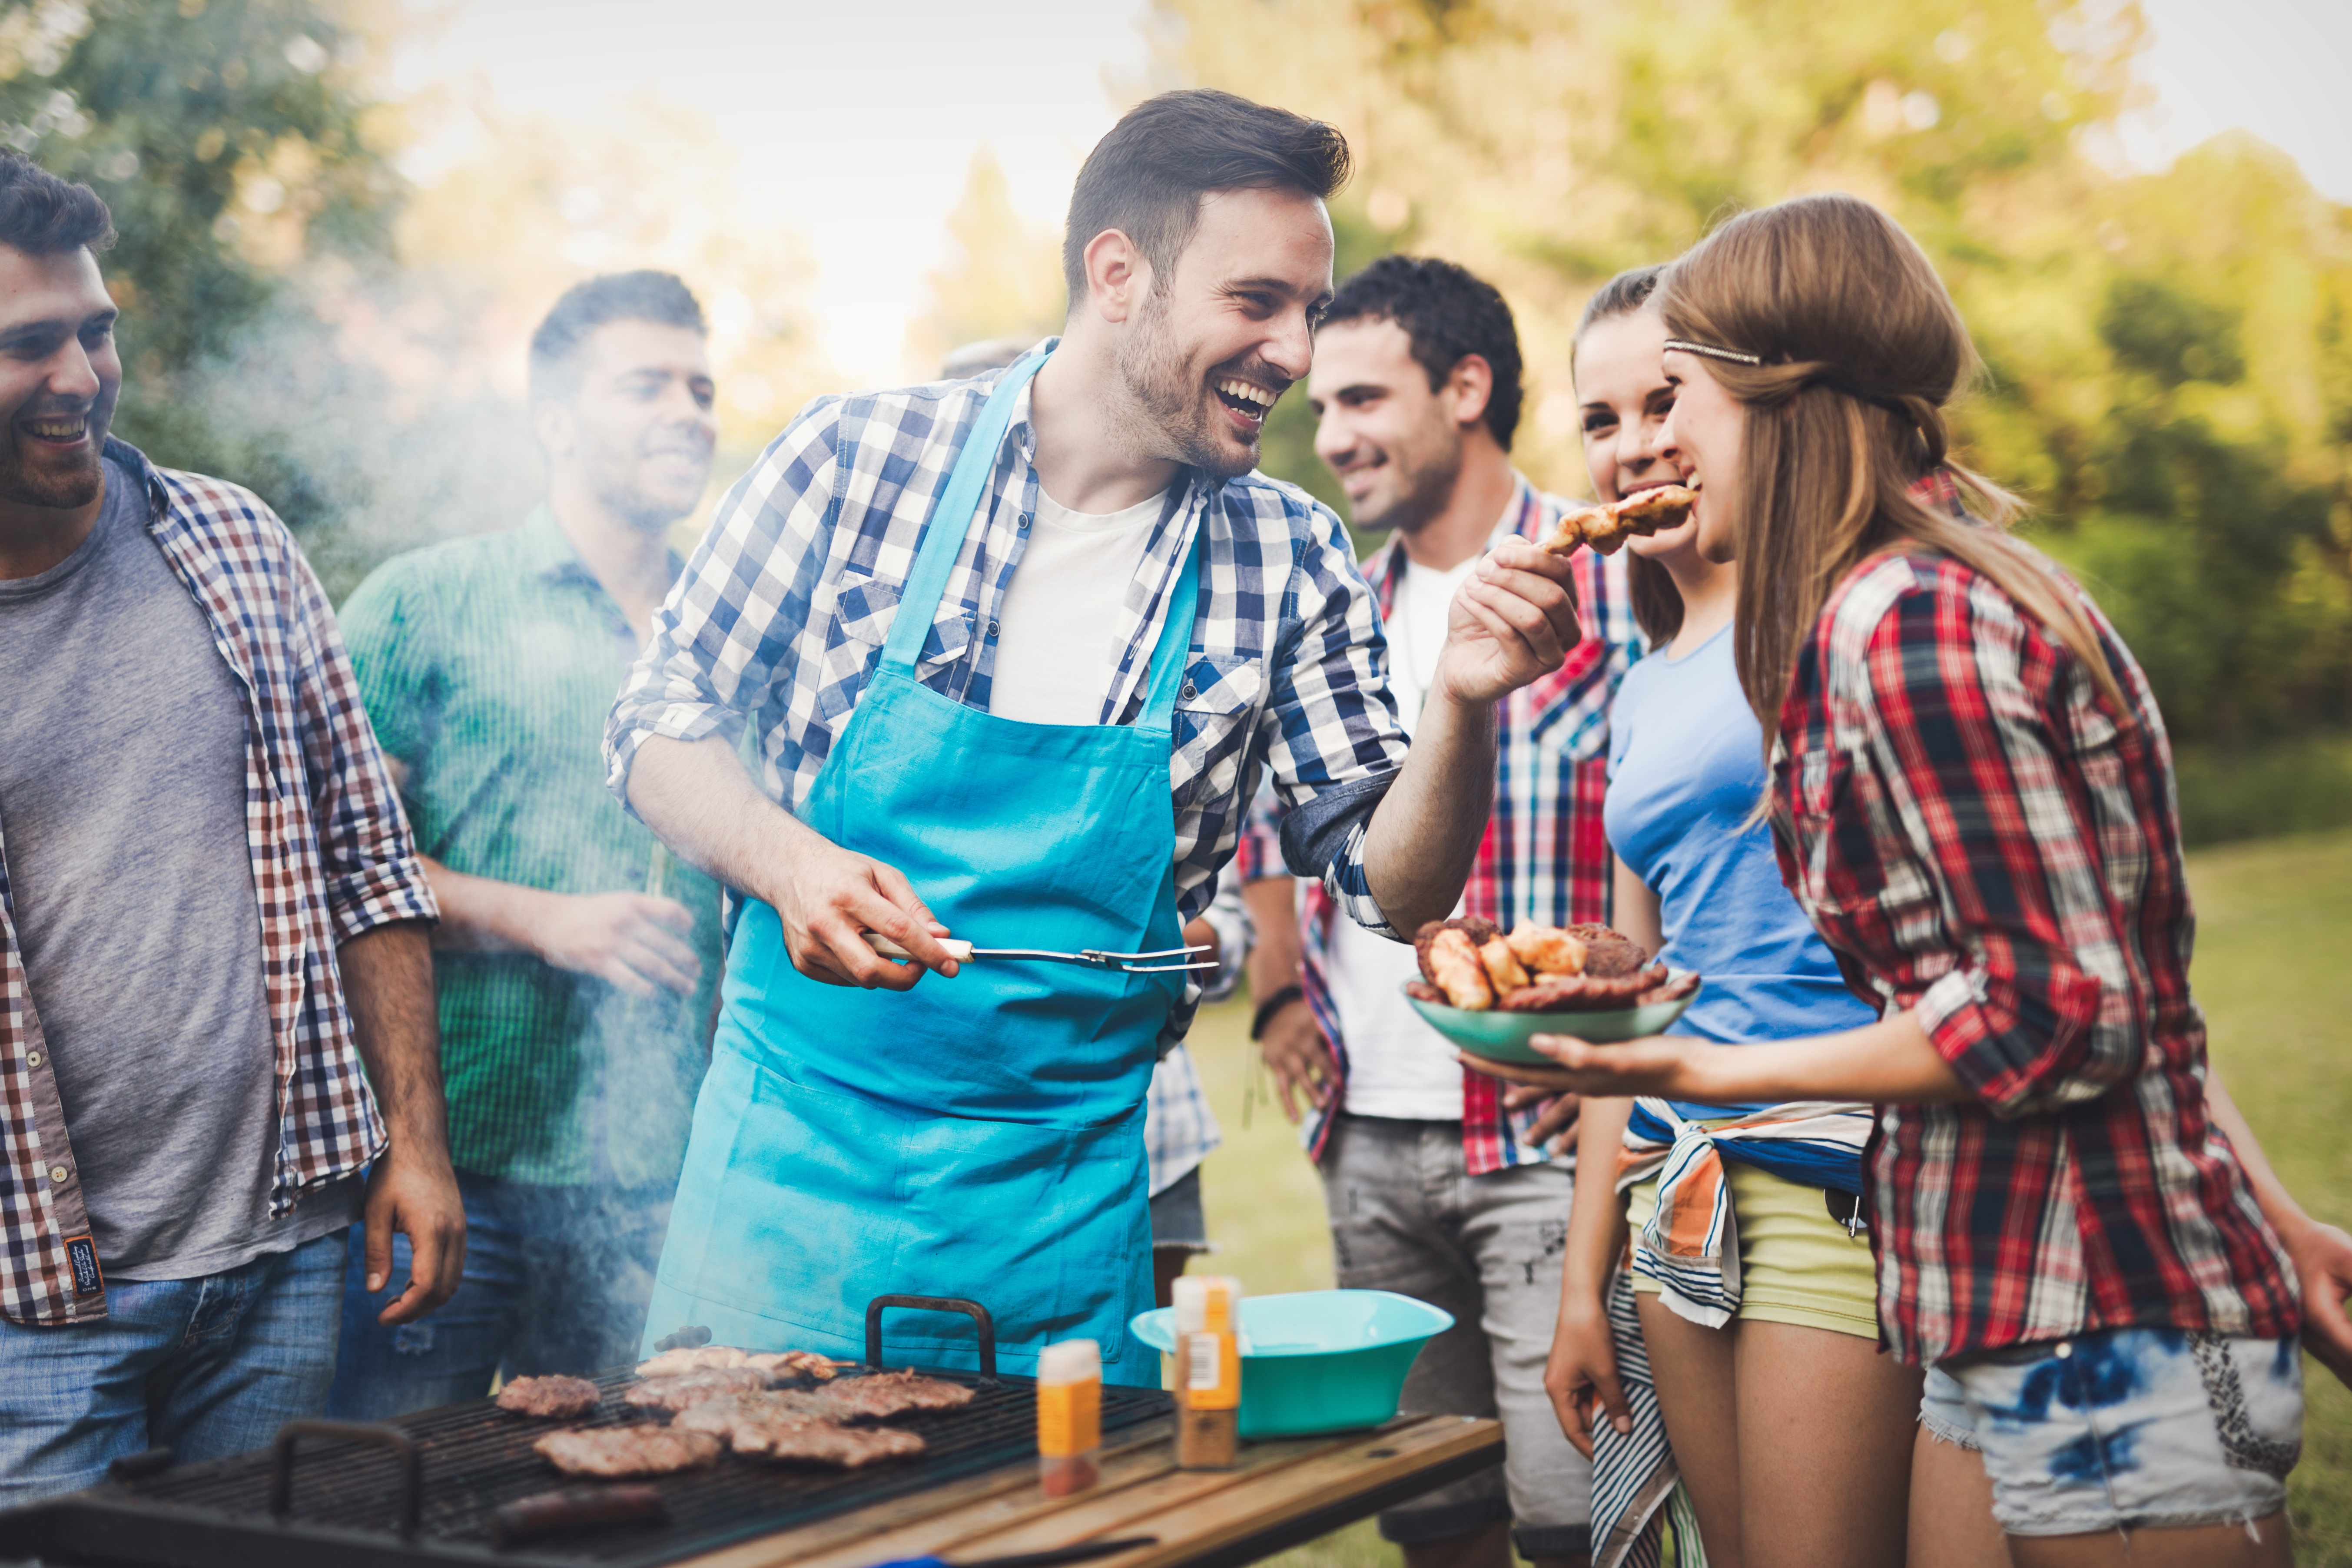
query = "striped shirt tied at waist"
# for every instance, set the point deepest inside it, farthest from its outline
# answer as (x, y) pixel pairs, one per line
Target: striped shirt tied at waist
(1690, 1244)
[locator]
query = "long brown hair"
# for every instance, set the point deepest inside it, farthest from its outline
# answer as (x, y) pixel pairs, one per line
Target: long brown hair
(1649, 587)
(1862, 348)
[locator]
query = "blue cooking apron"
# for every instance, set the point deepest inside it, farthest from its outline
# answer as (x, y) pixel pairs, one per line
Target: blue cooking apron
(981, 1136)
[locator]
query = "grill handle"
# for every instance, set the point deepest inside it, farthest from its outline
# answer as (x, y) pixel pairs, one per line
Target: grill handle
(412, 1468)
(972, 1309)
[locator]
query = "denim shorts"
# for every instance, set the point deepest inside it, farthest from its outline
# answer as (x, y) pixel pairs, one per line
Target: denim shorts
(2126, 1428)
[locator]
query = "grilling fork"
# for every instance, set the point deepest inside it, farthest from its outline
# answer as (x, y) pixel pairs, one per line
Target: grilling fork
(1093, 958)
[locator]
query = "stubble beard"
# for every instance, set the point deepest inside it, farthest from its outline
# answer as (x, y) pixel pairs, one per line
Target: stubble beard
(24, 483)
(1426, 492)
(1172, 411)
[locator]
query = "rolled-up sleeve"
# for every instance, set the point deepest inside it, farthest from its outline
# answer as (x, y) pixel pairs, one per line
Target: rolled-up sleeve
(1986, 874)
(1333, 742)
(725, 635)
(374, 876)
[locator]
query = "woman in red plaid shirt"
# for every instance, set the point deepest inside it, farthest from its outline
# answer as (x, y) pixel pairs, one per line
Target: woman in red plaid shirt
(1973, 799)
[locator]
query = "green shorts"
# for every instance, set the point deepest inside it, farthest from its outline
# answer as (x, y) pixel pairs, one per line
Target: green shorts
(1796, 1264)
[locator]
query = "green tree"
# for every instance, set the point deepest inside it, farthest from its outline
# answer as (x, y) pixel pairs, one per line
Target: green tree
(2170, 376)
(1002, 278)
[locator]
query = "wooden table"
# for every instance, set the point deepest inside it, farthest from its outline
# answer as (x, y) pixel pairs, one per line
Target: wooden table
(1282, 1494)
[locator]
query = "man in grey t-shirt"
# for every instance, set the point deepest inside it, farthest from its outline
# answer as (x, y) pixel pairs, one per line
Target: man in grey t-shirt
(217, 1025)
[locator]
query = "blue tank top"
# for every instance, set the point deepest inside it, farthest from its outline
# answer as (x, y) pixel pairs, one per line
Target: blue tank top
(1685, 771)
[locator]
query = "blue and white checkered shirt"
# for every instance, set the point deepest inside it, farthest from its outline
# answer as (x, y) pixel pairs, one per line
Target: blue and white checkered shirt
(781, 616)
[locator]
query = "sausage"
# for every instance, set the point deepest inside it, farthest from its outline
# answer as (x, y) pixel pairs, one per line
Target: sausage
(1502, 968)
(1453, 963)
(576, 1508)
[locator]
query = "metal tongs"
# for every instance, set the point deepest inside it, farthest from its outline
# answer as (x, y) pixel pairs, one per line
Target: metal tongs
(1125, 962)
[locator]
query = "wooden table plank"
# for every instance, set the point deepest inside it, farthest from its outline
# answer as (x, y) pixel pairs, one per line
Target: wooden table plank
(1197, 1515)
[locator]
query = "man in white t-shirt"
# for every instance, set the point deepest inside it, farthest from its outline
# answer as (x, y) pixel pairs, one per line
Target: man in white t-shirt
(1435, 1189)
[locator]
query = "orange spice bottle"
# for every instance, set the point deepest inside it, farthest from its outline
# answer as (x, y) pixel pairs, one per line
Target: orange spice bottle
(1069, 1416)
(1208, 1371)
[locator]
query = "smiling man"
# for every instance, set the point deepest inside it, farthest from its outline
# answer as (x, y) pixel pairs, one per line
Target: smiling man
(216, 999)
(1016, 652)
(576, 962)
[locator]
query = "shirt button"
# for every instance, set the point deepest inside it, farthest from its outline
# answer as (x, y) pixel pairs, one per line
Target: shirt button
(1025, 523)
(2063, 1350)
(992, 628)
(1190, 691)
(56, 1172)
(32, 1059)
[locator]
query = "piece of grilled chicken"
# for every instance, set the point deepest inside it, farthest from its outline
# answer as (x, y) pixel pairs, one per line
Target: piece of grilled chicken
(1604, 528)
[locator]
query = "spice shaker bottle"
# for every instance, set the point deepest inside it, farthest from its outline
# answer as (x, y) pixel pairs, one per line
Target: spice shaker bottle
(1208, 1371)
(1069, 1416)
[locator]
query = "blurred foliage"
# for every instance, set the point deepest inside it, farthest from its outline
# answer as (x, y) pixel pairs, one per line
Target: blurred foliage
(233, 140)
(2170, 377)
(1004, 278)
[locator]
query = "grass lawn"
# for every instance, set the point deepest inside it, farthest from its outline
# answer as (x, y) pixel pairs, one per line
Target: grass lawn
(2273, 971)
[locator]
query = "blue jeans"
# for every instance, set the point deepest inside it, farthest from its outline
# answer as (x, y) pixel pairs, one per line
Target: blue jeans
(206, 1367)
(557, 1279)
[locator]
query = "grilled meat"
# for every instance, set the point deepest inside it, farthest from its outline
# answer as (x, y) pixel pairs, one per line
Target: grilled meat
(700, 1358)
(782, 1426)
(1547, 950)
(618, 1451)
(714, 1358)
(1586, 993)
(882, 1395)
(691, 1388)
(1453, 964)
(575, 1508)
(1604, 528)
(1608, 953)
(794, 1364)
(566, 1397)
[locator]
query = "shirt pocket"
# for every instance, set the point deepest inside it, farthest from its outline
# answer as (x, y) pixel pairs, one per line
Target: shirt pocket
(865, 608)
(1215, 707)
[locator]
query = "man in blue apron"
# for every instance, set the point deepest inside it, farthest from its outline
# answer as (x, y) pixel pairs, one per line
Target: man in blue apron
(1016, 652)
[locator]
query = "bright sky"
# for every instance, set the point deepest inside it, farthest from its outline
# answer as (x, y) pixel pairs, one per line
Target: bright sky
(856, 124)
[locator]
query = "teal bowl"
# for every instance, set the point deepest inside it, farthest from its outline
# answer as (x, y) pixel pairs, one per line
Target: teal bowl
(1504, 1037)
(1318, 1361)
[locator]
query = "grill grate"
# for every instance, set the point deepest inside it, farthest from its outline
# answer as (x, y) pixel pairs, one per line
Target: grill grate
(476, 1458)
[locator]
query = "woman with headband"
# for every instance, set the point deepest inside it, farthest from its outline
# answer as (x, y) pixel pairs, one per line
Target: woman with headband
(1776, 1296)
(1973, 800)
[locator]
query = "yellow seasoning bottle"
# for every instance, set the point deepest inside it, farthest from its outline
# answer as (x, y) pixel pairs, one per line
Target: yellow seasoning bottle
(1208, 1371)
(1069, 1416)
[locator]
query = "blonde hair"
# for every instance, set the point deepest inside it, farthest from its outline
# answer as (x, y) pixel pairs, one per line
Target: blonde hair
(1860, 348)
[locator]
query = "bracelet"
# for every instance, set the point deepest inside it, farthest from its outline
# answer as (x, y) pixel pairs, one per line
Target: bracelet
(1272, 1004)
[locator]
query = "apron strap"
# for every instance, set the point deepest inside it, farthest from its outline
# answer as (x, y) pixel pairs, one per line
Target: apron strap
(951, 520)
(1174, 649)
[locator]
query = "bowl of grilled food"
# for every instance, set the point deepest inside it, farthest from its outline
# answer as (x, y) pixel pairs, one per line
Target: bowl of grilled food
(1491, 991)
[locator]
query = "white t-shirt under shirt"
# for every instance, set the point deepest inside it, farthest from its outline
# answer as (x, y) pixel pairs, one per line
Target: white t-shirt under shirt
(1053, 634)
(1397, 1064)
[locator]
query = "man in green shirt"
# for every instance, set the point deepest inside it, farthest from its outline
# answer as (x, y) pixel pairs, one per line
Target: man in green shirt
(575, 959)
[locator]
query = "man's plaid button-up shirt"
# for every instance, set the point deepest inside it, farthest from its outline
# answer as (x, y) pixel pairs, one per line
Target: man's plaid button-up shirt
(1545, 858)
(780, 617)
(331, 859)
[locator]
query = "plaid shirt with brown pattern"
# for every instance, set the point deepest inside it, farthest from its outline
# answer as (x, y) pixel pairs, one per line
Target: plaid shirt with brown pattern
(331, 859)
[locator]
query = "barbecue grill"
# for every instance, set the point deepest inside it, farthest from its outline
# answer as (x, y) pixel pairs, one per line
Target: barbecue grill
(422, 1488)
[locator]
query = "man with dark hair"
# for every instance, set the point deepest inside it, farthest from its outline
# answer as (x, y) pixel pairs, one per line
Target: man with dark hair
(215, 1001)
(576, 961)
(1436, 1189)
(1017, 651)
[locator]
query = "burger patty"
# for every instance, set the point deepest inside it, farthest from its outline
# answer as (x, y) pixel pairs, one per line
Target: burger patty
(691, 1388)
(561, 1396)
(617, 1451)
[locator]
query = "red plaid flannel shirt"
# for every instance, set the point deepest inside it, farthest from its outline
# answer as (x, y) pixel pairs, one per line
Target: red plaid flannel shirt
(1984, 841)
(1545, 857)
(331, 859)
